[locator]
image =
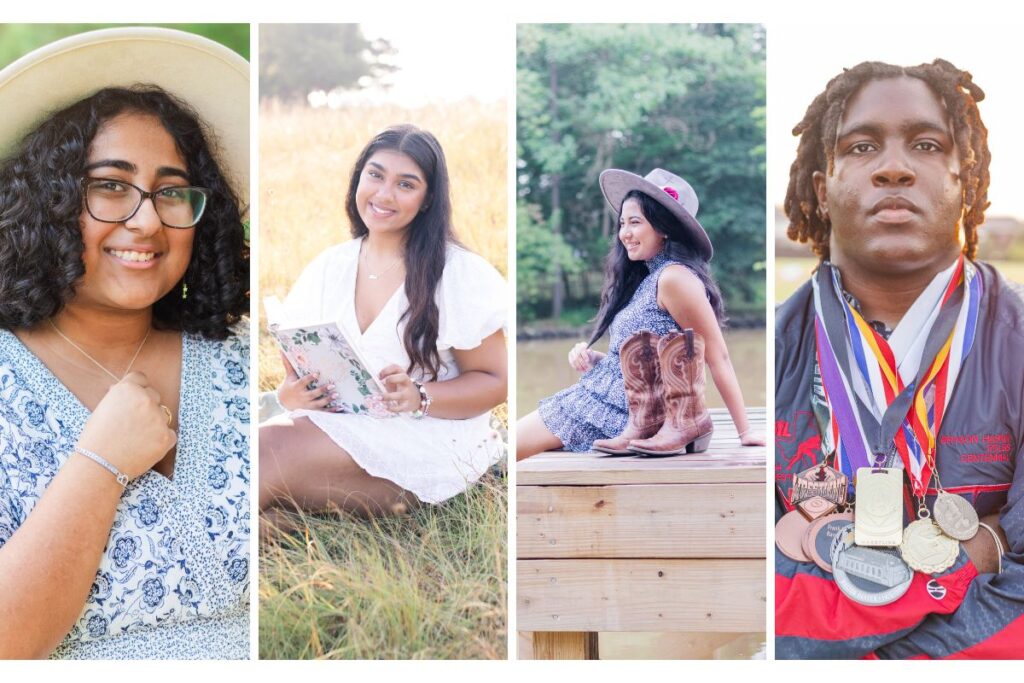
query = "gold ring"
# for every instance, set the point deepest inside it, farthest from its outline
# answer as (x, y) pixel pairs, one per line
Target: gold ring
(167, 412)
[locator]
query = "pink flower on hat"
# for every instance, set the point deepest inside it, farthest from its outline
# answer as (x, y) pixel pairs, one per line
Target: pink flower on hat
(671, 192)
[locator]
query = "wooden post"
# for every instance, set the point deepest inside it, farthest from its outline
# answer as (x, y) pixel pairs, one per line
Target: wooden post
(564, 645)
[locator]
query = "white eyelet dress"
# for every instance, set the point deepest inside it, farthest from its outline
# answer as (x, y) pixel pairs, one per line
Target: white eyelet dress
(433, 458)
(173, 582)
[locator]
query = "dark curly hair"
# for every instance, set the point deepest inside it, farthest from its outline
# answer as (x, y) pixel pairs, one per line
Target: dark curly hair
(819, 127)
(427, 237)
(41, 203)
(622, 275)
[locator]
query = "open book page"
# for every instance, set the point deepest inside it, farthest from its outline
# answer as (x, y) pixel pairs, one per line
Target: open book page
(324, 347)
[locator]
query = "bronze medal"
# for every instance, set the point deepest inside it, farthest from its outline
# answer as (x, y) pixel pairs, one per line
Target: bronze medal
(926, 549)
(815, 507)
(819, 481)
(789, 534)
(955, 516)
(879, 513)
(821, 533)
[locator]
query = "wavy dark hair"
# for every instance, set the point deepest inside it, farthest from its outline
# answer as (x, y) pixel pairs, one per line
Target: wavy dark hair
(820, 126)
(426, 239)
(41, 204)
(622, 276)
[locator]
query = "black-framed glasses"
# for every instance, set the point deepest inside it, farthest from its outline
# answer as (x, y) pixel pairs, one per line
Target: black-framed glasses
(115, 201)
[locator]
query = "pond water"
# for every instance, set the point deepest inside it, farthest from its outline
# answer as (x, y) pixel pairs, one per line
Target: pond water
(542, 368)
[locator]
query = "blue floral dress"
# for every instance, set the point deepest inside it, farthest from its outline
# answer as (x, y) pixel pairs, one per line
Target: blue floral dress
(173, 581)
(595, 407)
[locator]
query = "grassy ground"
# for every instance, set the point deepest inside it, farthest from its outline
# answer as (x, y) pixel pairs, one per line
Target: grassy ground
(431, 583)
(427, 585)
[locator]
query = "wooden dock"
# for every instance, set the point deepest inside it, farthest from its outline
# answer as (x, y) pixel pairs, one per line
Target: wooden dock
(628, 543)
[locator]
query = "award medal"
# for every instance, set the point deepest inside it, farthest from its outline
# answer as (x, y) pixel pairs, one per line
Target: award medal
(819, 536)
(955, 516)
(868, 576)
(789, 534)
(926, 549)
(862, 382)
(816, 507)
(879, 513)
(820, 481)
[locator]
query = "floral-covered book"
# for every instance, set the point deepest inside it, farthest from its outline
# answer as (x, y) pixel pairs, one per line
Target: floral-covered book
(325, 348)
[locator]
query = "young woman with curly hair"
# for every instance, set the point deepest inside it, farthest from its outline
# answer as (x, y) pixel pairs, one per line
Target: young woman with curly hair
(123, 386)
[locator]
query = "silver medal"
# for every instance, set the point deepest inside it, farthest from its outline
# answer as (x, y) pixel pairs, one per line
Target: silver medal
(869, 576)
(955, 516)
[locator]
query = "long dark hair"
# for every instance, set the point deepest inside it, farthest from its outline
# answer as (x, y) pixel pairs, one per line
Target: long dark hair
(622, 276)
(41, 205)
(426, 239)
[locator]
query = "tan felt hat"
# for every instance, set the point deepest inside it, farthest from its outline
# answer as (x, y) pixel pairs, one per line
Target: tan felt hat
(209, 77)
(669, 190)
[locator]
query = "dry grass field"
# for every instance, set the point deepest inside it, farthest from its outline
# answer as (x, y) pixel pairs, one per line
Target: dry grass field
(430, 584)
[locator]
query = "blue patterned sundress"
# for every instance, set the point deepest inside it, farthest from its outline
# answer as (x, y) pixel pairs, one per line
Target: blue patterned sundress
(173, 581)
(595, 407)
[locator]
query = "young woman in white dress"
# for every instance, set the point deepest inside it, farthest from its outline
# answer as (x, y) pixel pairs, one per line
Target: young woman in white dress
(429, 316)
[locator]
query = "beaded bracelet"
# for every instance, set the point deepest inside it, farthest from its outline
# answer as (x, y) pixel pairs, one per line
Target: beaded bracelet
(425, 402)
(121, 477)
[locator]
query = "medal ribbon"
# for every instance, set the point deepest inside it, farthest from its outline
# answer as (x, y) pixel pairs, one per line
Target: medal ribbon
(913, 436)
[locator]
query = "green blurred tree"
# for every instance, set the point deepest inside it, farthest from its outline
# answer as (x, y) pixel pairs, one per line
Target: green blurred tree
(17, 40)
(541, 256)
(686, 98)
(296, 59)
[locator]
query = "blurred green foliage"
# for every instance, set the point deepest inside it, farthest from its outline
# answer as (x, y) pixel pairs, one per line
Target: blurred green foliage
(17, 40)
(687, 98)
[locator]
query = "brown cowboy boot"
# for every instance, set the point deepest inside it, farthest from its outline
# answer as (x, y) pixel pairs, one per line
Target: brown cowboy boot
(641, 373)
(687, 427)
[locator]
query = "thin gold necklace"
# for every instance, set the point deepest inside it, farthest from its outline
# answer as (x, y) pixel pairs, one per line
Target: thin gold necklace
(96, 362)
(376, 276)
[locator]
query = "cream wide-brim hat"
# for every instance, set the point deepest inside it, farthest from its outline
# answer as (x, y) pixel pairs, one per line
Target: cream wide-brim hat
(616, 184)
(207, 76)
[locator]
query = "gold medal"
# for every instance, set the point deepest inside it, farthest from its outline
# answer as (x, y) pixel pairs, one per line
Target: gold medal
(878, 516)
(926, 549)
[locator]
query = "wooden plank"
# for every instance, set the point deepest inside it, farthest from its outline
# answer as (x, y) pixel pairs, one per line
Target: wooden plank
(641, 595)
(724, 462)
(644, 521)
(597, 469)
(565, 645)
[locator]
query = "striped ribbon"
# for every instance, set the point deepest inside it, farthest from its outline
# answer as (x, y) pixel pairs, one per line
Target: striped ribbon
(914, 441)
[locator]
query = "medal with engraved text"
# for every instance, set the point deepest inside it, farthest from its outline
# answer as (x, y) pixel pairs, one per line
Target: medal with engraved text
(868, 576)
(955, 516)
(821, 533)
(879, 514)
(821, 481)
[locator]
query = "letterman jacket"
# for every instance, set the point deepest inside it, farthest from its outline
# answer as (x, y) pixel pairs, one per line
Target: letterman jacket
(958, 614)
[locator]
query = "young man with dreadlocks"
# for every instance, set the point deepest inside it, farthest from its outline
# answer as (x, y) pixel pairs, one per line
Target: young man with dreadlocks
(899, 383)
